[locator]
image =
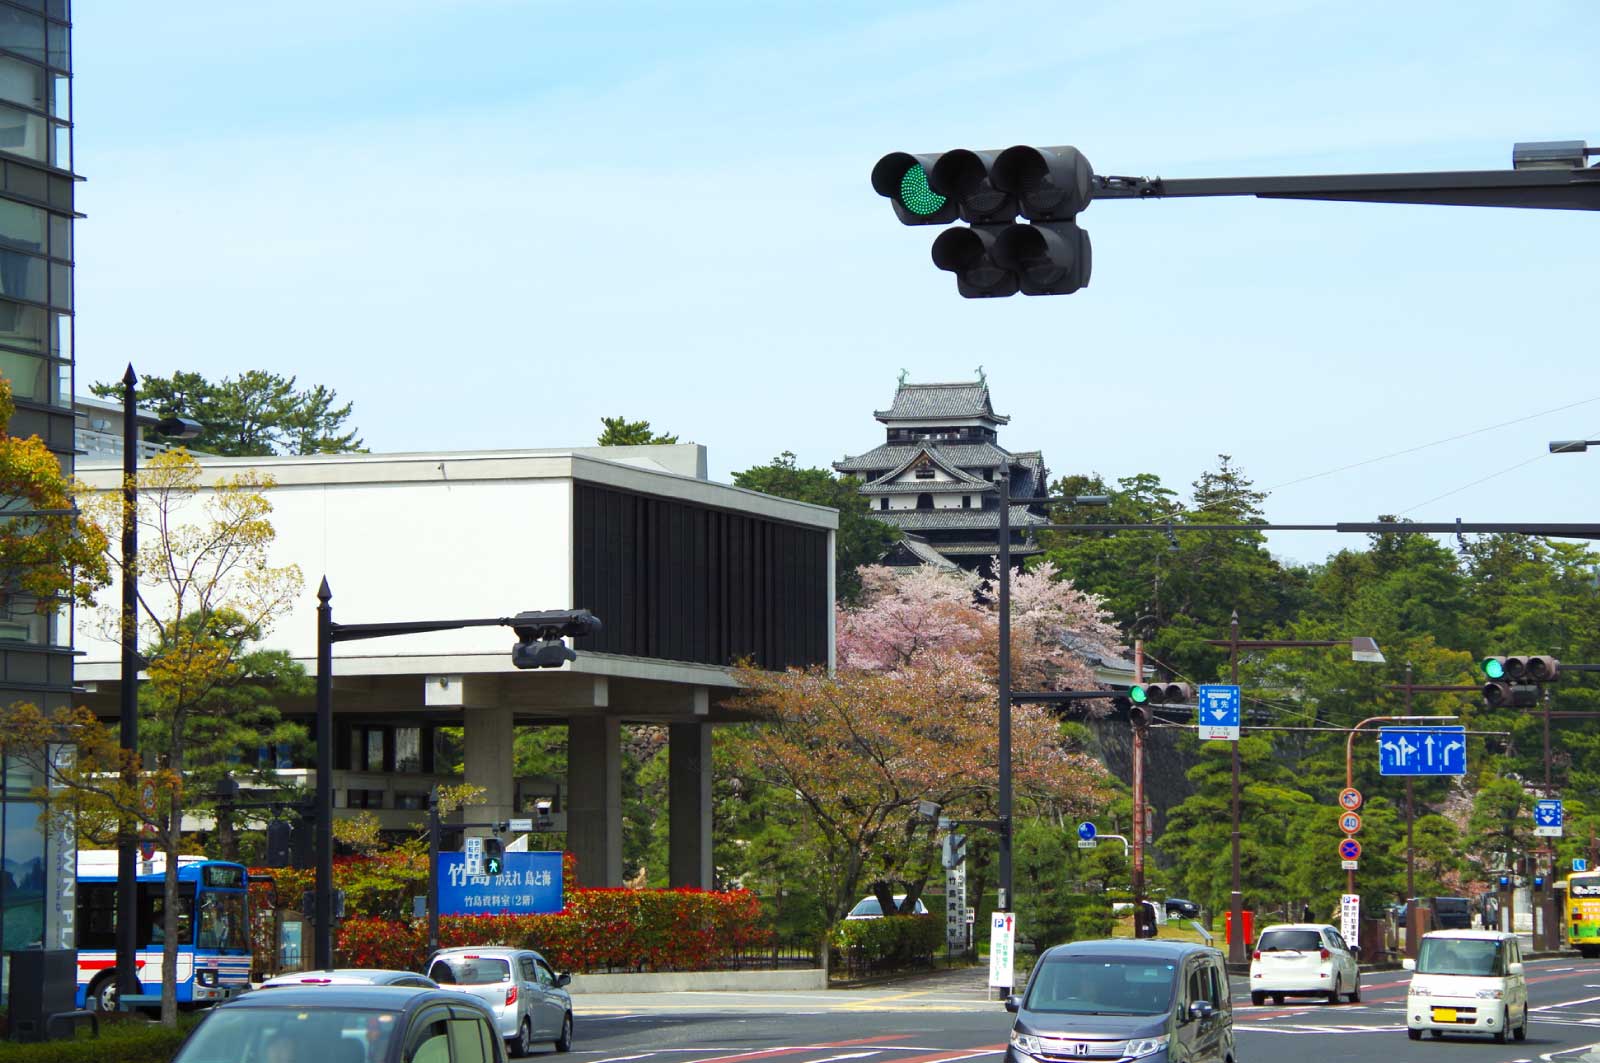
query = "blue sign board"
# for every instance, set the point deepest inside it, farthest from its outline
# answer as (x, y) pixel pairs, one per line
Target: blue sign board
(528, 884)
(1422, 751)
(1218, 711)
(1580, 863)
(1547, 813)
(1086, 831)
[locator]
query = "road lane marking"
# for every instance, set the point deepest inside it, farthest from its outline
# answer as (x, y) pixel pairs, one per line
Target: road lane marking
(765, 1053)
(1565, 1004)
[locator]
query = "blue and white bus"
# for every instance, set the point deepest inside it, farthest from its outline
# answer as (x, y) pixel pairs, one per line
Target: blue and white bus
(213, 928)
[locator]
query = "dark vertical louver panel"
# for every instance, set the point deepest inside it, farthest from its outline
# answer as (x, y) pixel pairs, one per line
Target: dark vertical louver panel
(691, 583)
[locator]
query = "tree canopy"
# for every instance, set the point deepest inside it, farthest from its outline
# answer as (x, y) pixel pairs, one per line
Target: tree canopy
(621, 432)
(256, 414)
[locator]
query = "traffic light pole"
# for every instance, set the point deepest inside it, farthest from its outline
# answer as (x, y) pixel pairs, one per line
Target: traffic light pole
(1004, 575)
(1139, 730)
(1558, 189)
(328, 633)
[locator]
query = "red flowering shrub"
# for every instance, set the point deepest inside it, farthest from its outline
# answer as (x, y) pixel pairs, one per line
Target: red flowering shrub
(601, 929)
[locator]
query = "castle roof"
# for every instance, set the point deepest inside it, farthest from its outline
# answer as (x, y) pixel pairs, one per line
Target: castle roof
(925, 402)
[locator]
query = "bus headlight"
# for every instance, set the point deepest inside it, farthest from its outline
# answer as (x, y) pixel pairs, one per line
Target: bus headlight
(208, 977)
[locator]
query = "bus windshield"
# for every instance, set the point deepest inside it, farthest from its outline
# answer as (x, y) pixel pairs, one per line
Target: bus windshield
(222, 921)
(1583, 886)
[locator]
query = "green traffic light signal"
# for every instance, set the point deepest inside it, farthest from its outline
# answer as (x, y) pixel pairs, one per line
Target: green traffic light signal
(1494, 667)
(1137, 695)
(491, 865)
(916, 196)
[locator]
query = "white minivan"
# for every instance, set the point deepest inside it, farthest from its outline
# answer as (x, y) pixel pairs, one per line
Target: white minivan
(1467, 981)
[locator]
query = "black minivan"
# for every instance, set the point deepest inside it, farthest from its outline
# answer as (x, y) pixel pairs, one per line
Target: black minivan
(1124, 999)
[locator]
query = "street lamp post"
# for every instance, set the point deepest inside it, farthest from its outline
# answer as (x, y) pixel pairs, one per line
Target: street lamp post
(1361, 649)
(127, 975)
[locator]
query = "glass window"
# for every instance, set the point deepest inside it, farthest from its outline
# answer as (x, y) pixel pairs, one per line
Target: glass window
(411, 802)
(1106, 985)
(1463, 956)
(467, 1042)
(374, 749)
(21, 226)
(61, 285)
(60, 335)
(22, 133)
(61, 97)
(22, 33)
(469, 970)
(29, 375)
(22, 276)
(222, 923)
(60, 145)
(430, 1044)
(21, 83)
(22, 881)
(1290, 941)
(60, 40)
(61, 237)
(152, 913)
(408, 749)
(20, 777)
(255, 1034)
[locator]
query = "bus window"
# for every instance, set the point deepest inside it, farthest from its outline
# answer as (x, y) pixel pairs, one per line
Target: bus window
(152, 913)
(222, 924)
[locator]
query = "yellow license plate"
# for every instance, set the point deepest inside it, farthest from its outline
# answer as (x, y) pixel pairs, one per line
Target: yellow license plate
(1444, 1014)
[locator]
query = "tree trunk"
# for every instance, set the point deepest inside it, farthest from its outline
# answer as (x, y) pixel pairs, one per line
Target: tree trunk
(169, 914)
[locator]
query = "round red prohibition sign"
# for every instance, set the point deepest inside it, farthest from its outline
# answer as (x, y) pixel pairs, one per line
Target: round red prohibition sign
(1350, 849)
(1349, 799)
(1350, 823)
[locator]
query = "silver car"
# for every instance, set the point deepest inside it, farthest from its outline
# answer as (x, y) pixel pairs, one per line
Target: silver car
(349, 976)
(529, 1000)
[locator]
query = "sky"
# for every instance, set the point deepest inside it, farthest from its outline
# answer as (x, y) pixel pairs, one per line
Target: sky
(491, 223)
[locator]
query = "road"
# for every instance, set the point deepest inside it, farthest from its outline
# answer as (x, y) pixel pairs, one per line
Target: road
(948, 1018)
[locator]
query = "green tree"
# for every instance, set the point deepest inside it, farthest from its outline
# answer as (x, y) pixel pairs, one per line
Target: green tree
(621, 432)
(860, 540)
(256, 414)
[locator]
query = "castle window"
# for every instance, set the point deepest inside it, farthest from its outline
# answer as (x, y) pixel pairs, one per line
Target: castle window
(966, 501)
(924, 501)
(883, 503)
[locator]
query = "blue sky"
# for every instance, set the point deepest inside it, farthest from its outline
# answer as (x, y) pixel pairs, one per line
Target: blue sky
(489, 223)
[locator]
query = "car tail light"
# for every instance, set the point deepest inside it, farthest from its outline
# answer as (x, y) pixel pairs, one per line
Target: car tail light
(1327, 955)
(1256, 955)
(511, 994)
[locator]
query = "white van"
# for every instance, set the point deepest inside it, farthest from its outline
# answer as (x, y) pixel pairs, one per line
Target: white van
(1467, 981)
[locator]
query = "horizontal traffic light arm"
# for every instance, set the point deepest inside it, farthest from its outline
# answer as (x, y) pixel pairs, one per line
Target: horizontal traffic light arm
(1540, 189)
(574, 622)
(1066, 695)
(1560, 531)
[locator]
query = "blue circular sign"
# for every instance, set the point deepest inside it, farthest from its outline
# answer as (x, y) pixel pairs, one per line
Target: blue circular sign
(1086, 831)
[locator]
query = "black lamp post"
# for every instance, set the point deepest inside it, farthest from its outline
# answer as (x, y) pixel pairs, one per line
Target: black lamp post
(128, 689)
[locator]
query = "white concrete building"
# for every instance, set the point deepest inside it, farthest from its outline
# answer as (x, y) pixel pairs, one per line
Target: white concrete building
(685, 574)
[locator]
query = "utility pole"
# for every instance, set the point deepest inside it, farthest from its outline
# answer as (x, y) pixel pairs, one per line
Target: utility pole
(1004, 483)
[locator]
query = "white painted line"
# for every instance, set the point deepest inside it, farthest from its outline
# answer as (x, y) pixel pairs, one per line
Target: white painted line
(847, 1055)
(1565, 1004)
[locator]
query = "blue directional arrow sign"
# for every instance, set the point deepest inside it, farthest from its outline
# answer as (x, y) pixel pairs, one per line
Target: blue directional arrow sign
(1548, 818)
(1086, 831)
(1580, 864)
(1218, 712)
(1422, 751)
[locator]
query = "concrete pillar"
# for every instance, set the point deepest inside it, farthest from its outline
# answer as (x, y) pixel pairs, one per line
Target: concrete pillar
(594, 798)
(689, 804)
(487, 761)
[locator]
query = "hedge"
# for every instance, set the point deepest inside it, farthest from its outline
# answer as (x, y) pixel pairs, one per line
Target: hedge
(890, 942)
(120, 1041)
(600, 930)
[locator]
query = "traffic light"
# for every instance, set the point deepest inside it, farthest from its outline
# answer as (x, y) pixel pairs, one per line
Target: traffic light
(955, 850)
(277, 854)
(1502, 694)
(494, 856)
(995, 255)
(539, 636)
(1529, 669)
(1162, 694)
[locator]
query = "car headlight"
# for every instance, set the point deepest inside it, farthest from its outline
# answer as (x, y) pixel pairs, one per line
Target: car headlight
(1145, 1046)
(1025, 1042)
(1491, 994)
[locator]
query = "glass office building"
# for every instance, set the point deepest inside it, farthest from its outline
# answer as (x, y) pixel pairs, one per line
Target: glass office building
(37, 869)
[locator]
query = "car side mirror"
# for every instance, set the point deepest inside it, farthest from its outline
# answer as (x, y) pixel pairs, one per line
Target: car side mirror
(1013, 1003)
(563, 980)
(1515, 968)
(1201, 1009)
(1408, 964)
